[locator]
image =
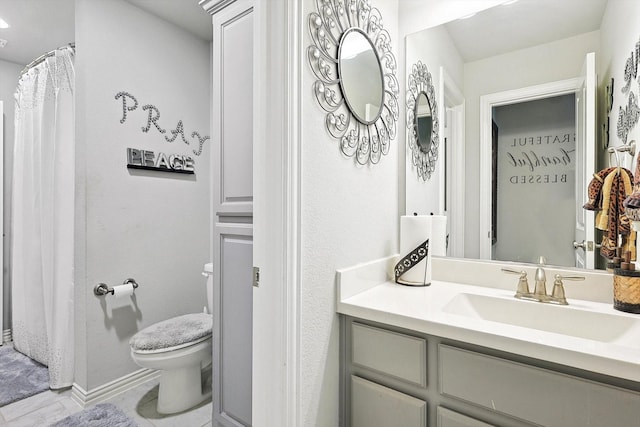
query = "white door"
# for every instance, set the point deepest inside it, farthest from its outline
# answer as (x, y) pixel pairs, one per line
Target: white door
(233, 202)
(584, 242)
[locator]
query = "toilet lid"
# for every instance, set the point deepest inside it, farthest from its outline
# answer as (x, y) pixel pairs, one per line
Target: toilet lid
(173, 332)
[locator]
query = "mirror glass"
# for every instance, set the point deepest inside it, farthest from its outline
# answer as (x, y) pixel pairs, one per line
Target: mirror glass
(424, 122)
(514, 53)
(360, 76)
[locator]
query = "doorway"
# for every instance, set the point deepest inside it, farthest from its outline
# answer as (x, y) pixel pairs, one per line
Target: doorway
(583, 88)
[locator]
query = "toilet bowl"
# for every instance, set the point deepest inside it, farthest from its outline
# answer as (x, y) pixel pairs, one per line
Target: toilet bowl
(180, 348)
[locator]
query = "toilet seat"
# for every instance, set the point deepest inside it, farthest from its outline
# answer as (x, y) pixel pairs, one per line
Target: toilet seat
(170, 349)
(178, 350)
(173, 334)
(196, 353)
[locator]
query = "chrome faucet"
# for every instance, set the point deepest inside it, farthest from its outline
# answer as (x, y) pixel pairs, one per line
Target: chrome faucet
(540, 287)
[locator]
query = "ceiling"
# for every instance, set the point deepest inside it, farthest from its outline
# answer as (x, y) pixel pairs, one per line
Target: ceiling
(38, 26)
(186, 14)
(523, 24)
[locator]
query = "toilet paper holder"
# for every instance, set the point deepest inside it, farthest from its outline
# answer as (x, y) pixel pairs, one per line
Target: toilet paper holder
(102, 289)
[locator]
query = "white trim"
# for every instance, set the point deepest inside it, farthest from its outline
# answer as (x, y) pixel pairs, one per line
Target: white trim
(214, 6)
(2, 216)
(113, 388)
(451, 97)
(7, 336)
(442, 116)
(277, 160)
(487, 102)
(589, 83)
(293, 206)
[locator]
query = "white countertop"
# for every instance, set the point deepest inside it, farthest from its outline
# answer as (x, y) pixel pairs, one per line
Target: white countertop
(365, 292)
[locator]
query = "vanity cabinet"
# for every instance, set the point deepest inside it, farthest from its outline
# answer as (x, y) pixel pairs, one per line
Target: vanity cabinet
(393, 355)
(397, 377)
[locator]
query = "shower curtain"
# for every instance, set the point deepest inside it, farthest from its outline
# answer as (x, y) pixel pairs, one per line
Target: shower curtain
(43, 216)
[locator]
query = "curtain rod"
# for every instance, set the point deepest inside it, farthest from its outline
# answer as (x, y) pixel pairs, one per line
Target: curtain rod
(41, 58)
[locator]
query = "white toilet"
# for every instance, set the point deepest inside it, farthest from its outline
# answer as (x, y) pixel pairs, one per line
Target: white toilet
(179, 347)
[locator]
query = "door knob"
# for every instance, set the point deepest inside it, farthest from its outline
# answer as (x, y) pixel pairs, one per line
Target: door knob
(587, 246)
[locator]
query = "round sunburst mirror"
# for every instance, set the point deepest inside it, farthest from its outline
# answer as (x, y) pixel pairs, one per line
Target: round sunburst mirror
(355, 83)
(422, 120)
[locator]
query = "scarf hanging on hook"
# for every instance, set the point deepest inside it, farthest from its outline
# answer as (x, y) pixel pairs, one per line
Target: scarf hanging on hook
(607, 191)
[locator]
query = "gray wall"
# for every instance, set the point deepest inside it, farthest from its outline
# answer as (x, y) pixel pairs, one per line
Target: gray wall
(620, 30)
(152, 226)
(9, 73)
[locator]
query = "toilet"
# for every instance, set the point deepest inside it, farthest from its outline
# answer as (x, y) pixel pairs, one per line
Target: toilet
(180, 348)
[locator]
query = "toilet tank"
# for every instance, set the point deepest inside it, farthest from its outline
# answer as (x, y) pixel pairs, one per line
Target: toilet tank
(208, 273)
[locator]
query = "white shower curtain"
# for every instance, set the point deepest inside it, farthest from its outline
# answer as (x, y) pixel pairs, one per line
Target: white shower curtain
(43, 216)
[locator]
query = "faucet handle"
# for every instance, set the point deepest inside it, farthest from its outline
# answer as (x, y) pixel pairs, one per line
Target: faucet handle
(561, 277)
(557, 295)
(523, 283)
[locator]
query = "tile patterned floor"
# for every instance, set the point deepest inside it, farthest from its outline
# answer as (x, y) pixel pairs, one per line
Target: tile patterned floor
(139, 404)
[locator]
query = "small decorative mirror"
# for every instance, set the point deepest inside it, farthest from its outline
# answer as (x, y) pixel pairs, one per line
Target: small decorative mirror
(422, 120)
(360, 76)
(355, 70)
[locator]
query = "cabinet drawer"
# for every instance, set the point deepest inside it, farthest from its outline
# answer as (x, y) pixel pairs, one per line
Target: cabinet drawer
(398, 355)
(373, 405)
(449, 418)
(533, 394)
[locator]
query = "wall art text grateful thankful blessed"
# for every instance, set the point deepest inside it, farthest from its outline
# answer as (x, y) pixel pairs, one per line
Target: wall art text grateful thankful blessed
(130, 103)
(540, 159)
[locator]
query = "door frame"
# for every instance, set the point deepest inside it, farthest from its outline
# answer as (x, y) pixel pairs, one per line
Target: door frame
(2, 334)
(487, 102)
(451, 99)
(277, 163)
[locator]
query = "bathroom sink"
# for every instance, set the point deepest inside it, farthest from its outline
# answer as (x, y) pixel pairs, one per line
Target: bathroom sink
(570, 321)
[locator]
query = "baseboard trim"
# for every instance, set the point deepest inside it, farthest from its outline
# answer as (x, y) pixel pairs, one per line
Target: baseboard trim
(113, 388)
(7, 336)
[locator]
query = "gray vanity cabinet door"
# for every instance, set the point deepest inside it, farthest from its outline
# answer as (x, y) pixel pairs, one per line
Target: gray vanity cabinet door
(397, 355)
(533, 394)
(373, 405)
(449, 418)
